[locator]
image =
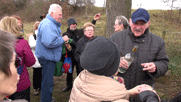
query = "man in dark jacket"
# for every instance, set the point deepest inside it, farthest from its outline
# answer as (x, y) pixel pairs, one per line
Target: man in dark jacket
(75, 34)
(150, 60)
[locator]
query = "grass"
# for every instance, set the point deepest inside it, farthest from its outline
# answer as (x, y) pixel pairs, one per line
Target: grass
(161, 20)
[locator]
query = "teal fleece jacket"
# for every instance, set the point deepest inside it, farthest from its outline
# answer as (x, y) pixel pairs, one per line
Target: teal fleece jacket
(49, 40)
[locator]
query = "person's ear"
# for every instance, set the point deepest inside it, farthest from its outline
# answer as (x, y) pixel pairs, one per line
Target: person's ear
(148, 24)
(51, 14)
(130, 21)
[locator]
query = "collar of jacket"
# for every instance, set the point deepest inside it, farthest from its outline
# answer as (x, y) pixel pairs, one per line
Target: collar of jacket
(71, 31)
(19, 38)
(53, 20)
(141, 38)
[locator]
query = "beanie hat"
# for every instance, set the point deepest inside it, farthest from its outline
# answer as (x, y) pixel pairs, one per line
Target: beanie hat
(71, 21)
(140, 14)
(100, 56)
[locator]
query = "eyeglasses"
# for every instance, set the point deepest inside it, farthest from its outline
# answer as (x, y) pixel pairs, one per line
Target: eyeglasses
(89, 30)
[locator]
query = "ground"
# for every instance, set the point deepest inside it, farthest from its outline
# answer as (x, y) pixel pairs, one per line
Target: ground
(168, 86)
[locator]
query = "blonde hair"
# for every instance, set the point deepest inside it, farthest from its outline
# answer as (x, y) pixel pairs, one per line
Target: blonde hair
(10, 24)
(88, 24)
(35, 26)
(17, 17)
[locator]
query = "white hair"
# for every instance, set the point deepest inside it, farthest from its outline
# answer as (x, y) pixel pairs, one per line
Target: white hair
(53, 7)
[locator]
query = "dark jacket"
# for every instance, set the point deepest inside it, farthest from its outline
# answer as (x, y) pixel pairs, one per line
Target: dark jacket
(151, 48)
(76, 34)
(79, 48)
(148, 96)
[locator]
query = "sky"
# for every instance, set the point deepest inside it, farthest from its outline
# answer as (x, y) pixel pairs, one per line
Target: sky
(146, 4)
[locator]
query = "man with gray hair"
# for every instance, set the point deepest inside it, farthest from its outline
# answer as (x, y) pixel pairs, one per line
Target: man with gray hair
(121, 23)
(49, 47)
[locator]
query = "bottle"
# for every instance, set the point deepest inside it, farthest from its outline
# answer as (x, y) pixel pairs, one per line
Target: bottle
(129, 57)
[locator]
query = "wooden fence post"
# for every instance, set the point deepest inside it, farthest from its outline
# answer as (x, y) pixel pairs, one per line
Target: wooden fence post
(163, 35)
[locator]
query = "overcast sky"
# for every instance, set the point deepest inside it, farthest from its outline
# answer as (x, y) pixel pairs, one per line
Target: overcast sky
(147, 4)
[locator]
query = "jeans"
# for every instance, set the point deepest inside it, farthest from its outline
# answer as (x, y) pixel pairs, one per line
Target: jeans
(48, 68)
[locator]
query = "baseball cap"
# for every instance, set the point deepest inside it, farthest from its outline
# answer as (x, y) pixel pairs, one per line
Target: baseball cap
(140, 14)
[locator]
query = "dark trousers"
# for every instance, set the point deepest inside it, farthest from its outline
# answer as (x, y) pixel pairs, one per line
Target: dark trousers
(37, 76)
(25, 94)
(69, 78)
(48, 68)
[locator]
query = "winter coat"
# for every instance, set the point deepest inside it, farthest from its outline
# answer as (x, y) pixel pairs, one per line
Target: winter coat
(23, 50)
(90, 87)
(149, 96)
(49, 40)
(32, 43)
(79, 48)
(151, 48)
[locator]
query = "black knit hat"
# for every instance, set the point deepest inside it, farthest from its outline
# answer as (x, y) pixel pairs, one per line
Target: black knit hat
(100, 56)
(71, 21)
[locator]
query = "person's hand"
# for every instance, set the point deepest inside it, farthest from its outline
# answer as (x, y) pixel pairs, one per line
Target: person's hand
(134, 91)
(150, 67)
(145, 87)
(97, 16)
(140, 88)
(123, 63)
(65, 38)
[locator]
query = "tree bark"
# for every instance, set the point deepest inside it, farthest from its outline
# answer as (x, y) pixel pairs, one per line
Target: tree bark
(115, 8)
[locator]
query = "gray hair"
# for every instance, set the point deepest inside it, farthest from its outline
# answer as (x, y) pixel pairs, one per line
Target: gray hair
(124, 20)
(7, 41)
(53, 7)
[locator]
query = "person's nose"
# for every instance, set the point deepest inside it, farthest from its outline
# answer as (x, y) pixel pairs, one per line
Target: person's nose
(138, 26)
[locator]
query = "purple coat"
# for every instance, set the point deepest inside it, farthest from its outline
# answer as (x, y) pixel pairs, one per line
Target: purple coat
(23, 50)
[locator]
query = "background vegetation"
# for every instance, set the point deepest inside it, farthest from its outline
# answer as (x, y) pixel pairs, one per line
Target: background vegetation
(164, 23)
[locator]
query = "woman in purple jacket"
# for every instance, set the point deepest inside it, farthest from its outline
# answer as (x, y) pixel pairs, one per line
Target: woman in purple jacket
(24, 53)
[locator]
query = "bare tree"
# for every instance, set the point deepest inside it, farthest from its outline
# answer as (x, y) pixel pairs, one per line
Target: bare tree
(174, 4)
(79, 3)
(113, 9)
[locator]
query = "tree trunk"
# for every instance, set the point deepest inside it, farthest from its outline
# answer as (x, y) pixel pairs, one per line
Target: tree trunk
(115, 8)
(86, 8)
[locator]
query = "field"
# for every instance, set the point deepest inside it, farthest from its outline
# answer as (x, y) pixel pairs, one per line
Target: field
(166, 24)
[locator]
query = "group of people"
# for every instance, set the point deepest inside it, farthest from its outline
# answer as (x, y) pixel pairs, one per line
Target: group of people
(97, 59)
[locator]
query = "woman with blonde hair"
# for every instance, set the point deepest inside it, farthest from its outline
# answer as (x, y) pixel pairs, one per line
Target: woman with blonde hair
(24, 54)
(37, 69)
